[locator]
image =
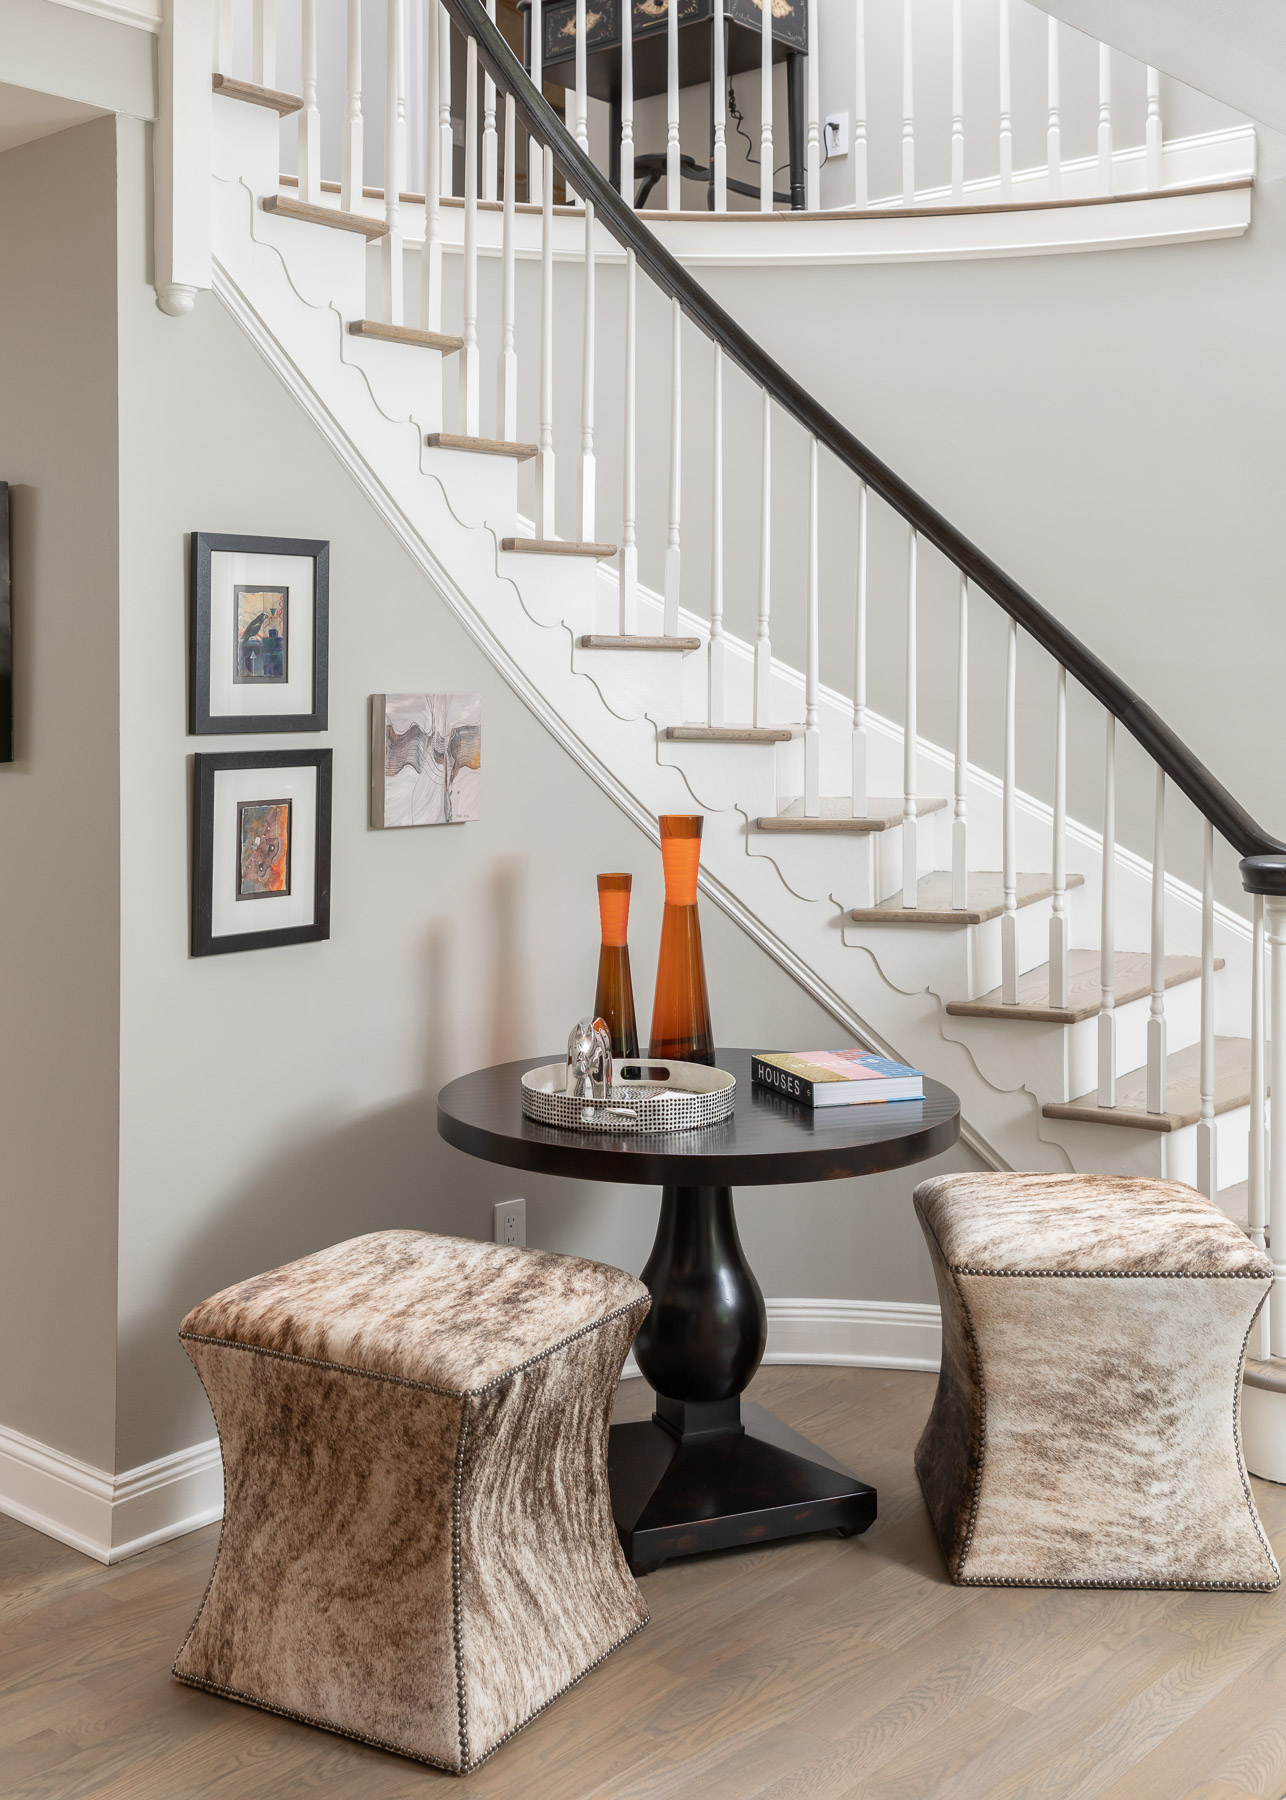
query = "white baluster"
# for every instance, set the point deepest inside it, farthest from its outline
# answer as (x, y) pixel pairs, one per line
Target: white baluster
(1058, 922)
(860, 775)
(1009, 827)
(431, 255)
(470, 382)
(812, 677)
(350, 154)
(763, 640)
(908, 108)
(765, 108)
(265, 43)
(957, 102)
(1104, 119)
(861, 189)
(394, 167)
(670, 597)
(580, 124)
(627, 103)
(910, 730)
(507, 370)
(1153, 146)
(629, 536)
(715, 658)
(1107, 929)
(1156, 1014)
(813, 139)
(1054, 130)
(1257, 1157)
(446, 135)
(1006, 109)
(673, 173)
(309, 117)
(535, 156)
(960, 808)
(1275, 927)
(719, 111)
(545, 434)
(1207, 1159)
(587, 463)
(490, 143)
(223, 45)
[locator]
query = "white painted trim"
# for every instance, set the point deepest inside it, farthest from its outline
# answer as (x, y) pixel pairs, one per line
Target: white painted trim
(109, 1517)
(848, 1334)
(145, 16)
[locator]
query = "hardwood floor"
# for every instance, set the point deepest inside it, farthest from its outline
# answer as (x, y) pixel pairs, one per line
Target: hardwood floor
(820, 1670)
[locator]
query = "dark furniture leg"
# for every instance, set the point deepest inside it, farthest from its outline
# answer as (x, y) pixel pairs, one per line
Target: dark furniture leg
(704, 1473)
(796, 107)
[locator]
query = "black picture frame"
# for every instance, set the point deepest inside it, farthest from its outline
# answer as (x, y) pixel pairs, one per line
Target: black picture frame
(201, 722)
(205, 766)
(6, 632)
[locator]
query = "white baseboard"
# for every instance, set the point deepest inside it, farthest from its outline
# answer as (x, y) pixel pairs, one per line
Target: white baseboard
(109, 1517)
(849, 1334)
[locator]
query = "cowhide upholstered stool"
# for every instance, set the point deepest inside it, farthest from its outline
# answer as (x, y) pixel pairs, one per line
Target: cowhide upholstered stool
(1085, 1430)
(418, 1548)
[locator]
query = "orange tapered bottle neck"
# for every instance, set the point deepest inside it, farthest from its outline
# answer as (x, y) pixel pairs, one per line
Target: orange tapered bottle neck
(614, 909)
(680, 859)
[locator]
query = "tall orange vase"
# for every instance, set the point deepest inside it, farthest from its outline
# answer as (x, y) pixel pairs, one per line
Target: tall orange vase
(681, 1008)
(614, 995)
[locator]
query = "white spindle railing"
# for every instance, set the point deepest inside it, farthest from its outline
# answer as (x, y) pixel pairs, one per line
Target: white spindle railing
(910, 731)
(1006, 108)
(627, 103)
(490, 145)
(673, 171)
(507, 369)
(1152, 139)
(629, 448)
(394, 165)
(580, 124)
(350, 154)
(309, 117)
(719, 112)
(860, 756)
(960, 803)
(763, 637)
(446, 134)
(957, 102)
(1257, 1148)
(223, 47)
(1009, 827)
(470, 375)
(1207, 1157)
(431, 254)
(1156, 1011)
(1107, 928)
(861, 175)
(545, 429)
(264, 50)
(670, 596)
(908, 105)
(1059, 939)
(716, 653)
(812, 677)
(535, 67)
(765, 105)
(1104, 138)
(1054, 128)
(587, 461)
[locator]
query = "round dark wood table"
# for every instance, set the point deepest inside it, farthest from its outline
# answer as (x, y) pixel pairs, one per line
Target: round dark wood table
(706, 1471)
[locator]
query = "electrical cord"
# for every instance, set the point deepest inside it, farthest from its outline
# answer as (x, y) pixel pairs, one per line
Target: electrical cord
(738, 119)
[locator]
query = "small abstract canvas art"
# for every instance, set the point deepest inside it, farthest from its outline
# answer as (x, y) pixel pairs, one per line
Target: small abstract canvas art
(263, 848)
(261, 651)
(426, 759)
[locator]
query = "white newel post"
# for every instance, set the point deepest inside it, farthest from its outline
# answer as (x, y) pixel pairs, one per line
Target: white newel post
(181, 149)
(1275, 932)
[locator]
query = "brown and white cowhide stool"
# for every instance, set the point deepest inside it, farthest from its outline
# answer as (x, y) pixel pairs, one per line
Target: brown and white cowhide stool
(1085, 1431)
(418, 1548)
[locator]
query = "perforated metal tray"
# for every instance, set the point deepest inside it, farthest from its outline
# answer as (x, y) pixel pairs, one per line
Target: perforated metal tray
(685, 1098)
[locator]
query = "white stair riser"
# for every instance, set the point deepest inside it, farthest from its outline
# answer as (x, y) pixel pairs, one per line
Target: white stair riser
(1263, 1432)
(636, 684)
(1121, 1150)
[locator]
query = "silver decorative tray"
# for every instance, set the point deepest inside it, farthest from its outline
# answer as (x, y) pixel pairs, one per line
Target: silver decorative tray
(686, 1097)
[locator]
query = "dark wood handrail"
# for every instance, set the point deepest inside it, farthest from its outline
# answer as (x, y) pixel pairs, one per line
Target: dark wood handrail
(1189, 775)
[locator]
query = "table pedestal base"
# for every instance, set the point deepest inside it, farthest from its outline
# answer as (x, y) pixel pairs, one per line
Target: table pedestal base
(746, 1481)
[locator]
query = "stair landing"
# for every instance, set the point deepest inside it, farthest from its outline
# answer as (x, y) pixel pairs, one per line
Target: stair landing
(1133, 979)
(1182, 1091)
(986, 896)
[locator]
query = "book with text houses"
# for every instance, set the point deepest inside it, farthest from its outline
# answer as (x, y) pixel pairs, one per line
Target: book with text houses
(836, 1077)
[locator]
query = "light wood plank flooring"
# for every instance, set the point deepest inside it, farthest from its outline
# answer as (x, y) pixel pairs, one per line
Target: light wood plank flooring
(820, 1670)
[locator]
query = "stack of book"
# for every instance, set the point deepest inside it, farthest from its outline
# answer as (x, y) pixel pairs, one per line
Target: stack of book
(835, 1077)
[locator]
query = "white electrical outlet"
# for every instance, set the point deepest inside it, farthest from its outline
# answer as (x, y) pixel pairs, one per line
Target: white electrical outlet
(509, 1222)
(835, 135)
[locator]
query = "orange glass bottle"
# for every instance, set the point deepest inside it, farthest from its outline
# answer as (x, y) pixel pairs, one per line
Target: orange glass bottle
(681, 1009)
(614, 996)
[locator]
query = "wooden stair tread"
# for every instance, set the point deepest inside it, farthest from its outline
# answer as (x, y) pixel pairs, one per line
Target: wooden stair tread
(624, 641)
(728, 734)
(837, 815)
(933, 894)
(1182, 1091)
(406, 334)
(556, 547)
(1133, 979)
(480, 446)
(983, 207)
(1270, 1374)
(286, 208)
(272, 98)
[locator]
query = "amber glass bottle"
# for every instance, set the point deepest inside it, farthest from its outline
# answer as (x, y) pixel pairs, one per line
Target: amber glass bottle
(681, 1010)
(614, 996)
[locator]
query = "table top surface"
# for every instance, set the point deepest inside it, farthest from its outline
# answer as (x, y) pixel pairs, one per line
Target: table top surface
(767, 1140)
